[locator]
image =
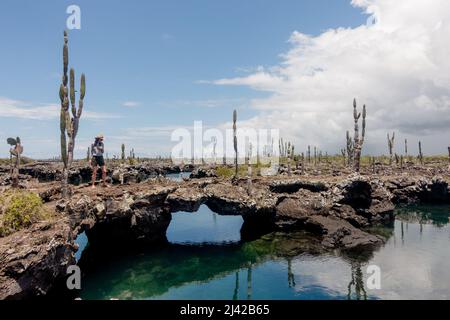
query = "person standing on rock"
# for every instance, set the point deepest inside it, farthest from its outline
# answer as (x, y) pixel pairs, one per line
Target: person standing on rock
(97, 150)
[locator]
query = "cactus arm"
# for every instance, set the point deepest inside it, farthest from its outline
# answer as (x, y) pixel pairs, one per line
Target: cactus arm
(82, 94)
(363, 134)
(83, 86)
(65, 59)
(72, 92)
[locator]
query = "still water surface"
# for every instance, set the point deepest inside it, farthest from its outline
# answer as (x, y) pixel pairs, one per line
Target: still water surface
(206, 260)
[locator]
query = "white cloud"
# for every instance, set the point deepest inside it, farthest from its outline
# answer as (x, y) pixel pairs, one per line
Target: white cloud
(131, 104)
(10, 108)
(399, 67)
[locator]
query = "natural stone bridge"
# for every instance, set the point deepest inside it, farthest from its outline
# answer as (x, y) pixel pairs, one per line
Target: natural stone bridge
(335, 209)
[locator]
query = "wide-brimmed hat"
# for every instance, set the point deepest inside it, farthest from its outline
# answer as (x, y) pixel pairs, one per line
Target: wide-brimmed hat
(100, 136)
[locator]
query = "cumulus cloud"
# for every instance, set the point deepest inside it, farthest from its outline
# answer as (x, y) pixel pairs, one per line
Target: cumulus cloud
(398, 66)
(10, 108)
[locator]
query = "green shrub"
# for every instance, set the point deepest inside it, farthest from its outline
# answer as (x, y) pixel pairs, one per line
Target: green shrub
(18, 210)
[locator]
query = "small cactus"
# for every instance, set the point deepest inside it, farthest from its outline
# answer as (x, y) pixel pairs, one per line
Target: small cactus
(249, 168)
(406, 148)
(123, 152)
(358, 141)
(290, 154)
(309, 154)
(235, 144)
(420, 156)
(391, 146)
(15, 164)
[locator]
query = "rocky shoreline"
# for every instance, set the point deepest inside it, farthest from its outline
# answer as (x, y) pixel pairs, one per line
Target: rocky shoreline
(338, 210)
(81, 172)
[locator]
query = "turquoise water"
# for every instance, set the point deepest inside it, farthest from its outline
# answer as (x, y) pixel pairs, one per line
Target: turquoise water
(206, 260)
(178, 176)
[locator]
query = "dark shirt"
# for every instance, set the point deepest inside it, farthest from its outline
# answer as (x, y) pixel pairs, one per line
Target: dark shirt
(98, 148)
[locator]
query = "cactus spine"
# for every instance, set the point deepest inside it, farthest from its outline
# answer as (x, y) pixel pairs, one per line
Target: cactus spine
(15, 164)
(359, 141)
(391, 146)
(69, 123)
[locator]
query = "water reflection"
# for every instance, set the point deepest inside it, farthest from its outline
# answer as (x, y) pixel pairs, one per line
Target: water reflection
(435, 215)
(357, 283)
(204, 226)
(414, 263)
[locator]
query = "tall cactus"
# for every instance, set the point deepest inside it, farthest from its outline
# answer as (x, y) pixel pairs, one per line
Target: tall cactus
(15, 164)
(235, 144)
(391, 146)
(358, 141)
(69, 123)
(406, 148)
(123, 151)
(309, 154)
(420, 153)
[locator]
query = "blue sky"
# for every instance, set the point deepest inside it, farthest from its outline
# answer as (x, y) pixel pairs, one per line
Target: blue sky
(148, 64)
